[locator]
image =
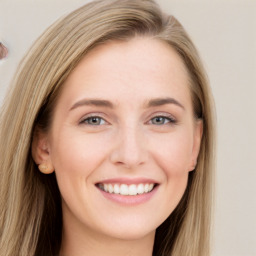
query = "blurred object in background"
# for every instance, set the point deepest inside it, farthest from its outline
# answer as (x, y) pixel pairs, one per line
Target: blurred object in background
(3, 51)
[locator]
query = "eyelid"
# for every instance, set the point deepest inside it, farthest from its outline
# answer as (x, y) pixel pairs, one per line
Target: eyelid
(92, 115)
(168, 116)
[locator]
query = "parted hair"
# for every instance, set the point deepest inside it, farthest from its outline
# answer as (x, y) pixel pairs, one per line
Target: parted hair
(30, 202)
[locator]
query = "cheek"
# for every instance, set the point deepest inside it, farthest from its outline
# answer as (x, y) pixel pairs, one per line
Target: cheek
(76, 157)
(174, 155)
(173, 158)
(174, 187)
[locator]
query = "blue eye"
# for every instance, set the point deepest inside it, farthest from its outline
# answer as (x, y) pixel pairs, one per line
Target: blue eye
(161, 120)
(94, 120)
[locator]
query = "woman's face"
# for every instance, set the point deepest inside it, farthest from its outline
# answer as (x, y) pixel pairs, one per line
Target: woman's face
(123, 139)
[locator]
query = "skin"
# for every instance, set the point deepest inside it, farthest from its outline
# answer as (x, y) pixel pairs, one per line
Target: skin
(128, 141)
(3, 51)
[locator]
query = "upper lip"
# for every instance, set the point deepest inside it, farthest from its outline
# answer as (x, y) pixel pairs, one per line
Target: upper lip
(128, 181)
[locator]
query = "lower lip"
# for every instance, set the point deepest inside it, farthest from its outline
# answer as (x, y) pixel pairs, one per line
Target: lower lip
(129, 200)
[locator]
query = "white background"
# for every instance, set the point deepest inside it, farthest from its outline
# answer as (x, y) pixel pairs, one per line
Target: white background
(225, 34)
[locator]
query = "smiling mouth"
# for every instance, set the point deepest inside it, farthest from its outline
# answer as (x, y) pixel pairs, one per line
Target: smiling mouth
(127, 190)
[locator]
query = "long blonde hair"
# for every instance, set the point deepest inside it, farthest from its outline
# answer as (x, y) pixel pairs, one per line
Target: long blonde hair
(30, 205)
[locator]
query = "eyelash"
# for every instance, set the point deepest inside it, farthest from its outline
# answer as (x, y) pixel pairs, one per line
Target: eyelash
(91, 118)
(166, 120)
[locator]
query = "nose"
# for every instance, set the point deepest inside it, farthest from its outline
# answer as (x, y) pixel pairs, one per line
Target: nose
(129, 148)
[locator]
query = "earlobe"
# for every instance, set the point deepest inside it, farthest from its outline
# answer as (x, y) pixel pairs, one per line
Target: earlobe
(45, 168)
(40, 152)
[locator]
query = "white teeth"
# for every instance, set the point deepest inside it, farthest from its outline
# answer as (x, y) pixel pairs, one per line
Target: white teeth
(140, 189)
(132, 190)
(116, 189)
(124, 189)
(110, 188)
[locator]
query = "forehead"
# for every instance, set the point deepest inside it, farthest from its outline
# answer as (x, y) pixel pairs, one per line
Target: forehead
(139, 67)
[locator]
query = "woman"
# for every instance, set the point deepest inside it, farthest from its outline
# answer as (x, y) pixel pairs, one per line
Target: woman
(107, 139)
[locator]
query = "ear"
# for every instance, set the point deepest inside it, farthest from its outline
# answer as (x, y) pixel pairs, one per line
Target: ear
(40, 152)
(198, 132)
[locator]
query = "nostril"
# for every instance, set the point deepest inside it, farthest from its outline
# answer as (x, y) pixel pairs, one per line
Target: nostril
(3, 51)
(129, 151)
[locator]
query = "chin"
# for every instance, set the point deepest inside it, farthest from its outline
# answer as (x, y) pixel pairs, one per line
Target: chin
(134, 229)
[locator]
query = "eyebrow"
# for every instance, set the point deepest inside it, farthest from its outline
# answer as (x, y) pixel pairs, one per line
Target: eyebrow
(105, 103)
(92, 102)
(163, 101)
